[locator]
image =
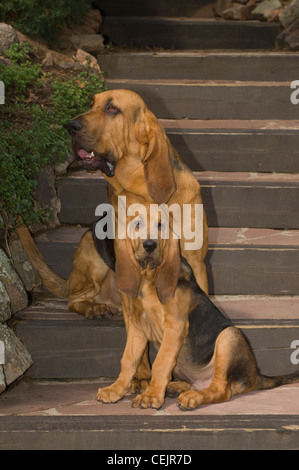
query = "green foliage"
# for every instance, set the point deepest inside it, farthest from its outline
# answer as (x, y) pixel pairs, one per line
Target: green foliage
(32, 133)
(42, 17)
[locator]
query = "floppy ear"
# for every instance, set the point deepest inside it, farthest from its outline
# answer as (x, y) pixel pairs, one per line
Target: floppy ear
(126, 269)
(157, 166)
(167, 274)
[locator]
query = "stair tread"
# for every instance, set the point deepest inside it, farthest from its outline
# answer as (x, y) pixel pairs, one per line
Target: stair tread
(266, 125)
(78, 398)
(237, 307)
(199, 82)
(204, 176)
(217, 236)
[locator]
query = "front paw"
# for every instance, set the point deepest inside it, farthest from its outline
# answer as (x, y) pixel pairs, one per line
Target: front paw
(98, 311)
(139, 385)
(188, 401)
(148, 400)
(110, 394)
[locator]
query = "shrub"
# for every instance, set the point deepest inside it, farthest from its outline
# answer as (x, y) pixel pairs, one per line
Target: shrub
(42, 17)
(32, 132)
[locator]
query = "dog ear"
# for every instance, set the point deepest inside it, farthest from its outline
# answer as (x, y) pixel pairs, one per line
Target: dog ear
(126, 269)
(156, 163)
(167, 274)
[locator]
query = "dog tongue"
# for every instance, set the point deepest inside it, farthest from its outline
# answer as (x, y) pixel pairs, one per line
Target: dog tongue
(83, 154)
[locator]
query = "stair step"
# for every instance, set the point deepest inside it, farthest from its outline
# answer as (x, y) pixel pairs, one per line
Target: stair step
(230, 199)
(189, 33)
(64, 345)
(239, 261)
(235, 145)
(200, 65)
(153, 8)
(211, 99)
(55, 415)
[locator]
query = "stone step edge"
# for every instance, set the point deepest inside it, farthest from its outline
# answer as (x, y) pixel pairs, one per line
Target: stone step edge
(208, 176)
(229, 125)
(199, 83)
(218, 237)
(157, 434)
(247, 311)
(190, 20)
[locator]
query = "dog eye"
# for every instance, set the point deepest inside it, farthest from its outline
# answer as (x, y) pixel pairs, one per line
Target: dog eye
(160, 225)
(112, 109)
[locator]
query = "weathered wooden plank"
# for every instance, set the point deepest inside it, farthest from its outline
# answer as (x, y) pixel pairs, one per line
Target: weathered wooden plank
(154, 433)
(231, 200)
(195, 99)
(237, 150)
(200, 65)
(189, 33)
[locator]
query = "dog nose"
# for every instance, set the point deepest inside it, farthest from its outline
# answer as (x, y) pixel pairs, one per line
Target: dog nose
(149, 245)
(74, 126)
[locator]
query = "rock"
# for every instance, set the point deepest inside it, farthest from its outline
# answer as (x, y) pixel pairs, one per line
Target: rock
(5, 313)
(91, 43)
(289, 38)
(2, 380)
(84, 58)
(242, 12)
(61, 169)
(16, 357)
(289, 14)
(264, 10)
(22, 265)
(222, 5)
(45, 195)
(12, 283)
(8, 36)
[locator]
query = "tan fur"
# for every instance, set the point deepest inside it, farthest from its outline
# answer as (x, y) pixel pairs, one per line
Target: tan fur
(91, 287)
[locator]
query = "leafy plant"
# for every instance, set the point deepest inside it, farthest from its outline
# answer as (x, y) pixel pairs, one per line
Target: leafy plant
(42, 17)
(32, 133)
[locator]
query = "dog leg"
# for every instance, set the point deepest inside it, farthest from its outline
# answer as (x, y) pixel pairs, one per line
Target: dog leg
(162, 368)
(234, 372)
(90, 309)
(177, 387)
(134, 350)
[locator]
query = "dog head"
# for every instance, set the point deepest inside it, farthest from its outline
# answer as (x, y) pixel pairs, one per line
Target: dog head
(118, 136)
(150, 248)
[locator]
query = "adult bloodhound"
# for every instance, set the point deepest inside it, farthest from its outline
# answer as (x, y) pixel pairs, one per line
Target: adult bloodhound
(210, 358)
(123, 139)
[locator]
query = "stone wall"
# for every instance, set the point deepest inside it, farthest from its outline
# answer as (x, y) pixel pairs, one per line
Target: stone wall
(14, 358)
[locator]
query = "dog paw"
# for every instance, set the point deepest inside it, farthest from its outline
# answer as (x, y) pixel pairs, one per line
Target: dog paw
(110, 394)
(189, 401)
(139, 385)
(98, 311)
(147, 400)
(175, 388)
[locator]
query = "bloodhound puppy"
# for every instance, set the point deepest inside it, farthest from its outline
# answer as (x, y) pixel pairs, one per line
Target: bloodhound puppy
(196, 344)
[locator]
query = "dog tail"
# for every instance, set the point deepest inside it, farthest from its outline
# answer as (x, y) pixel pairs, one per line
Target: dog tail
(266, 382)
(54, 283)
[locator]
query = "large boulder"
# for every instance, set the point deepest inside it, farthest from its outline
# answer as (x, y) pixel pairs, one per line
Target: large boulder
(8, 36)
(12, 283)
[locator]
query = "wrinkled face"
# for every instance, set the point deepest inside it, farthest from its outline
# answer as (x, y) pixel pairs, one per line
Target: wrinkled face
(148, 235)
(101, 136)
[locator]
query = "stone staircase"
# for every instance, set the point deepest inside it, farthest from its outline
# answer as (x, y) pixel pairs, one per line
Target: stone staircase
(229, 115)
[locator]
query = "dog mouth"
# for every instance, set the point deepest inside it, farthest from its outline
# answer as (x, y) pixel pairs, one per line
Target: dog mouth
(148, 262)
(93, 161)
